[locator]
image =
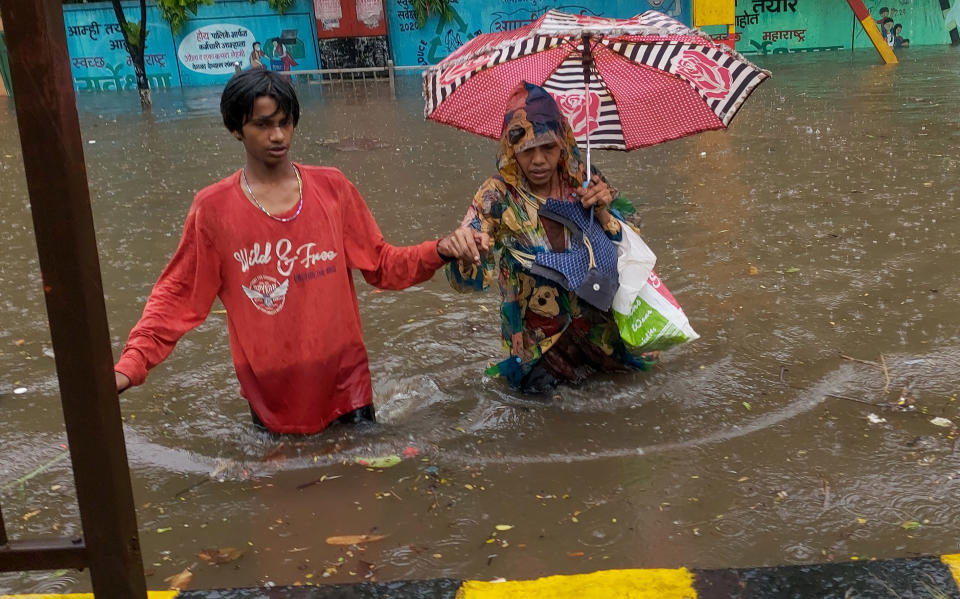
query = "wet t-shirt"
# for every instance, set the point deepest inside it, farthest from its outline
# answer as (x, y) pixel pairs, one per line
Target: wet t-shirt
(292, 313)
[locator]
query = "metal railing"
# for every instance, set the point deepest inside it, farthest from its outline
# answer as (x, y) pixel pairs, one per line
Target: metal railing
(351, 76)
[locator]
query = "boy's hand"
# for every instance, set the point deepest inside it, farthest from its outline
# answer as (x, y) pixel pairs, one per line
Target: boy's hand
(465, 245)
(122, 381)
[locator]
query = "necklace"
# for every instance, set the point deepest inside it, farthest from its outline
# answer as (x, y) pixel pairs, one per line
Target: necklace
(246, 183)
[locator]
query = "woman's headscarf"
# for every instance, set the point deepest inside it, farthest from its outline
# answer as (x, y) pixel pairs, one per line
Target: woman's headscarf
(533, 119)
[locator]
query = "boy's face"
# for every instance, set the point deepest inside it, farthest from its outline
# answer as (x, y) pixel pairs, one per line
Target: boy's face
(267, 134)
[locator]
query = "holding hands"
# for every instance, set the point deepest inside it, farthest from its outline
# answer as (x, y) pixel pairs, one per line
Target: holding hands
(465, 245)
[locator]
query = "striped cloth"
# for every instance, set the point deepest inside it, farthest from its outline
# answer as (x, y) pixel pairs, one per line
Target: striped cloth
(652, 79)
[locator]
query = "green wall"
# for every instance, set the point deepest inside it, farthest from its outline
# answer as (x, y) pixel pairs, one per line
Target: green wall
(788, 26)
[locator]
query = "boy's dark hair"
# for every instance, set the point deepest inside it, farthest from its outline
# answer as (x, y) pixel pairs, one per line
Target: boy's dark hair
(884, 9)
(243, 89)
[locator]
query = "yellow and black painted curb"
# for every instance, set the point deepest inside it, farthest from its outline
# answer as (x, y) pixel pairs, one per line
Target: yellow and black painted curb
(933, 576)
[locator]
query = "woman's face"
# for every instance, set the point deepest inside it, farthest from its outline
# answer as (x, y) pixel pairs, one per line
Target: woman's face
(539, 163)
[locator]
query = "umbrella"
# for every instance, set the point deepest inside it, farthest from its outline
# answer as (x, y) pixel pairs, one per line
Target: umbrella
(622, 83)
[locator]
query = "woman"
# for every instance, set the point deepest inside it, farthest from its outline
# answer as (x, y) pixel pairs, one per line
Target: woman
(281, 61)
(256, 56)
(552, 335)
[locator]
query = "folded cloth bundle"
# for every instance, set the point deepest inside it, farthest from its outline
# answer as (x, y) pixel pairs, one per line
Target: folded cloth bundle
(589, 266)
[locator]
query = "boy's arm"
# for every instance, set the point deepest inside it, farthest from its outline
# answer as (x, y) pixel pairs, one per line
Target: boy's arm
(397, 267)
(180, 300)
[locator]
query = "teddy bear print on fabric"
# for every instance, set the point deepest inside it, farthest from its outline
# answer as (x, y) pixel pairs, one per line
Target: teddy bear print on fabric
(539, 299)
(543, 301)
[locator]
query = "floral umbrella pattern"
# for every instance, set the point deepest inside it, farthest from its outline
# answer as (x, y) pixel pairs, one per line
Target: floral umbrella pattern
(653, 79)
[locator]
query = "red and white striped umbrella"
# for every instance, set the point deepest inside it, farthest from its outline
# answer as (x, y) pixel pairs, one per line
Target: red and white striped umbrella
(651, 78)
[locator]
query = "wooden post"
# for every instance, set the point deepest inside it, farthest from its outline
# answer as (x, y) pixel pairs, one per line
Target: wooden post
(70, 275)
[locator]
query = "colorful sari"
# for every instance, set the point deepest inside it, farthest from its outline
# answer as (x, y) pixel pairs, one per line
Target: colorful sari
(551, 334)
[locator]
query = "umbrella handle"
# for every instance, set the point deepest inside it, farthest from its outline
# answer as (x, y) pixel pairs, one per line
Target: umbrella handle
(587, 64)
(587, 67)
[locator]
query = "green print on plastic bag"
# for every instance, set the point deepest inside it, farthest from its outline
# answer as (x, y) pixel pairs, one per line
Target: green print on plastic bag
(646, 329)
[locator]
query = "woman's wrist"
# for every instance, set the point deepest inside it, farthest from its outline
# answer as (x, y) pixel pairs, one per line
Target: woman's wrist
(602, 215)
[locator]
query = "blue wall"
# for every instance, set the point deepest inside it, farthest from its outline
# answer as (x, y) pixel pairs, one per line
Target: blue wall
(98, 58)
(202, 53)
(245, 23)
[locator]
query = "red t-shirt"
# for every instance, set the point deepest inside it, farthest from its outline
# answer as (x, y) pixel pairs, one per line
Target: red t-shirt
(292, 313)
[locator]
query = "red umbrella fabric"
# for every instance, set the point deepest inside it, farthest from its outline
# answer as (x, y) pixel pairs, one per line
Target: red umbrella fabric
(653, 78)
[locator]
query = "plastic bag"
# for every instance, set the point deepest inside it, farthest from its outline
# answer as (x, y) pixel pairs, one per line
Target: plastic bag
(647, 315)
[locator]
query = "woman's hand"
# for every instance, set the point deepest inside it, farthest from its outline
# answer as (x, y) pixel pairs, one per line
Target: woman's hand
(598, 195)
(465, 245)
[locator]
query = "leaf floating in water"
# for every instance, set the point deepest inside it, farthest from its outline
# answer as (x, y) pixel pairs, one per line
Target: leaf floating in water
(366, 569)
(179, 581)
(747, 405)
(354, 539)
(223, 555)
(387, 461)
(504, 526)
(275, 455)
(910, 525)
(792, 269)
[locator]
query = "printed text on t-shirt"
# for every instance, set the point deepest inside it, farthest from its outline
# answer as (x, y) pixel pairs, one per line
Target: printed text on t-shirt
(307, 255)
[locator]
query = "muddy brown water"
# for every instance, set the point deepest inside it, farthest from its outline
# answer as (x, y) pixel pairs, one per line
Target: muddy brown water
(822, 224)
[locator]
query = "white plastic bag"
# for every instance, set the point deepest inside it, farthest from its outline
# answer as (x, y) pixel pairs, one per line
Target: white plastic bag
(647, 315)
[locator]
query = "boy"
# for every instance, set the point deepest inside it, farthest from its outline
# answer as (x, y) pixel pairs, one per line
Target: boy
(276, 242)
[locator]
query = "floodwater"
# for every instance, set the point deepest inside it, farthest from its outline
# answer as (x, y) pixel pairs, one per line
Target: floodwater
(822, 226)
